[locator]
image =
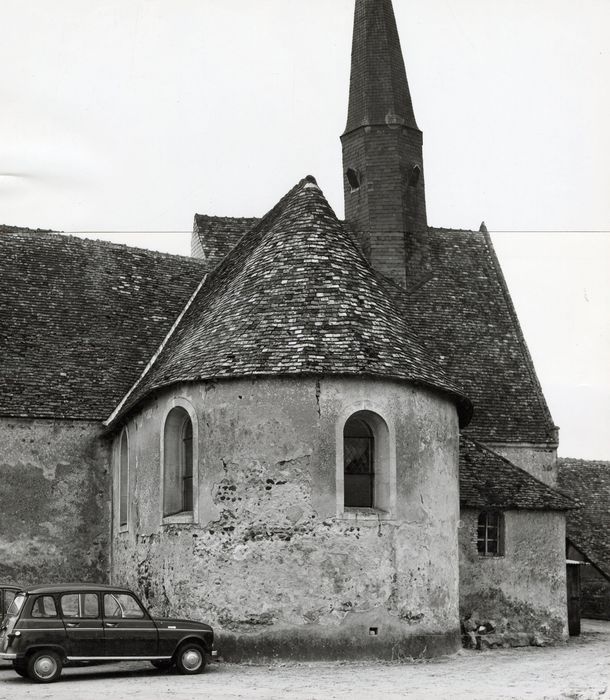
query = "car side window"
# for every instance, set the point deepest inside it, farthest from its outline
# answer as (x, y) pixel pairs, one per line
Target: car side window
(80, 605)
(44, 606)
(121, 605)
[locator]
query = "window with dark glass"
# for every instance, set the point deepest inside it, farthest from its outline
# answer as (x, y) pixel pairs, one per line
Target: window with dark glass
(353, 178)
(414, 176)
(490, 534)
(358, 464)
(123, 479)
(178, 463)
(187, 461)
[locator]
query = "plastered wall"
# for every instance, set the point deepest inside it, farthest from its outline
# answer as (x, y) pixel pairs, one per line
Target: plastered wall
(539, 460)
(54, 501)
(270, 562)
(527, 585)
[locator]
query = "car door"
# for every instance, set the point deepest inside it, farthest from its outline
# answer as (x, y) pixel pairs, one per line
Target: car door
(130, 632)
(81, 613)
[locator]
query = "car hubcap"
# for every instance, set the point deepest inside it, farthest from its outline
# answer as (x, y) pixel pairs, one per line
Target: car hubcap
(191, 659)
(45, 667)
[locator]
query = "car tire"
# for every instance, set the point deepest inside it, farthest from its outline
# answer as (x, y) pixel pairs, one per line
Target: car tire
(44, 666)
(190, 658)
(21, 668)
(162, 664)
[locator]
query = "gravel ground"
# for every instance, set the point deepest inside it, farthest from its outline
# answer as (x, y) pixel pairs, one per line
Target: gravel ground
(578, 670)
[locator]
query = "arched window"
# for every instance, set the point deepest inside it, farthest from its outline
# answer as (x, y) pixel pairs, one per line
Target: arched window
(414, 176)
(123, 480)
(178, 463)
(490, 534)
(365, 464)
(358, 463)
(353, 178)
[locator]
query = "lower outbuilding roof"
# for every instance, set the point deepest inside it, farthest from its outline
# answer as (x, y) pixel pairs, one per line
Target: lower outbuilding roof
(488, 480)
(588, 527)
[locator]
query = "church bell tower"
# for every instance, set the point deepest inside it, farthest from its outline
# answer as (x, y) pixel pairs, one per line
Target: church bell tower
(382, 146)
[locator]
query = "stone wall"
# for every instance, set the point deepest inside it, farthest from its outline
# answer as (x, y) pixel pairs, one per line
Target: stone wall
(54, 498)
(524, 591)
(273, 562)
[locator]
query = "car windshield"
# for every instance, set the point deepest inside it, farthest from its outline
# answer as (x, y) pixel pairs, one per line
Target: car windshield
(16, 605)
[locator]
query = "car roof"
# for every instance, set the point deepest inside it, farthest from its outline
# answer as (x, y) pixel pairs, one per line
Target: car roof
(74, 588)
(9, 587)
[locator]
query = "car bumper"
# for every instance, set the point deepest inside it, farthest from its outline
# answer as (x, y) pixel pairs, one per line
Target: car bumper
(7, 656)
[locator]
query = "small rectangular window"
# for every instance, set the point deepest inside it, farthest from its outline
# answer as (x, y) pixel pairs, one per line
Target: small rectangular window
(490, 534)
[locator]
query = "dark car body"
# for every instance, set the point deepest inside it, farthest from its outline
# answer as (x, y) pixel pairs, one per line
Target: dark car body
(7, 593)
(47, 626)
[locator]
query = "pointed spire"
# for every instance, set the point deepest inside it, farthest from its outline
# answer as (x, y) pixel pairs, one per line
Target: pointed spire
(379, 91)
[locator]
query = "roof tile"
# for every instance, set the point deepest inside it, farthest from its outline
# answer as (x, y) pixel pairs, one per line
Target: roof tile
(79, 320)
(274, 306)
(488, 480)
(588, 528)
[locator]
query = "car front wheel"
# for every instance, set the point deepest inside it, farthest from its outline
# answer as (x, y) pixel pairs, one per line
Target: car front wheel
(190, 658)
(44, 666)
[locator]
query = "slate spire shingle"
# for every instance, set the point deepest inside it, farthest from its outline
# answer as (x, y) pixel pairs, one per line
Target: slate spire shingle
(379, 91)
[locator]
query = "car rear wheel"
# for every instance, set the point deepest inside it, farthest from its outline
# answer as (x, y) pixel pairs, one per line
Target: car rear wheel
(162, 664)
(44, 666)
(190, 658)
(21, 668)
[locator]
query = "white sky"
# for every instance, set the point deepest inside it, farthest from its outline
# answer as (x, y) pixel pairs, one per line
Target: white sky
(130, 115)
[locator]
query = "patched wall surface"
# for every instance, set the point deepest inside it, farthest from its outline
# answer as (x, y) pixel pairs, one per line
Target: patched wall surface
(54, 496)
(539, 461)
(270, 563)
(522, 592)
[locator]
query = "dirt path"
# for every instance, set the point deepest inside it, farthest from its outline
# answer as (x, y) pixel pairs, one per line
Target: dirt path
(579, 670)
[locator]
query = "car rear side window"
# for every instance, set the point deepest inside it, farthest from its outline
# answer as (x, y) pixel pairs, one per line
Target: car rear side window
(80, 605)
(44, 606)
(121, 605)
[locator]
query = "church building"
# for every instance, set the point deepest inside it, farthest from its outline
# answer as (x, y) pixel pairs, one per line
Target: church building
(324, 437)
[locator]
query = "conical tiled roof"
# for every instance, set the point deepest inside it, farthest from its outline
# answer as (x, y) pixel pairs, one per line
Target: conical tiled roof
(295, 296)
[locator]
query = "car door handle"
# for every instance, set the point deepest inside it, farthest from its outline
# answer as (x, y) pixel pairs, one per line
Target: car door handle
(71, 624)
(111, 624)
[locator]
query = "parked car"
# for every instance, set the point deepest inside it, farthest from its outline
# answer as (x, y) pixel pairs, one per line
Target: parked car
(47, 626)
(7, 593)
